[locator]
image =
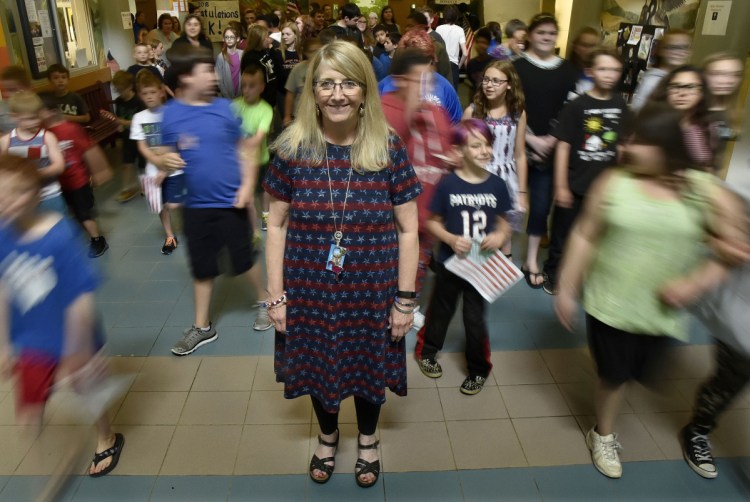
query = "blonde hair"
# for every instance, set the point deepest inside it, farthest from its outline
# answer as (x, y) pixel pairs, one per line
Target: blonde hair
(300, 141)
(292, 26)
(256, 37)
(25, 102)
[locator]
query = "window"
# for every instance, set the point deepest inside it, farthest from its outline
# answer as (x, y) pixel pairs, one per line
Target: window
(76, 36)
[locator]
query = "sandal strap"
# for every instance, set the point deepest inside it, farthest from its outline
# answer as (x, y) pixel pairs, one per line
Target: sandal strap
(328, 443)
(369, 446)
(366, 467)
(320, 464)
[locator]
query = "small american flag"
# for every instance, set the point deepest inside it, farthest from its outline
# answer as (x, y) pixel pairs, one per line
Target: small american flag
(152, 191)
(469, 33)
(491, 274)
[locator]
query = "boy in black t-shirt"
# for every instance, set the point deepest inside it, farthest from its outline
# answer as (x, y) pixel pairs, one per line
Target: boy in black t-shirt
(70, 104)
(588, 135)
(468, 205)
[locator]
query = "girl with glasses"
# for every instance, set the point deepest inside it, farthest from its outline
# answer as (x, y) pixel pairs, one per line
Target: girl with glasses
(228, 65)
(672, 51)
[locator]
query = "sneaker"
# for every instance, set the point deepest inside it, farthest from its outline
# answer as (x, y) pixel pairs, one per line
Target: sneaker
(97, 247)
(549, 286)
(126, 195)
(472, 385)
(604, 453)
(264, 220)
(430, 367)
(170, 244)
(697, 452)
(192, 338)
(418, 319)
(262, 321)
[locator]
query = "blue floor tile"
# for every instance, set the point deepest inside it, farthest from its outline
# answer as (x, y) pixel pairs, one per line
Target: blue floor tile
(27, 488)
(551, 335)
(3, 481)
(343, 487)
(191, 488)
(120, 488)
(423, 486)
(166, 271)
(142, 314)
(510, 335)
(267, 488)
(131, 341)
(498, 484)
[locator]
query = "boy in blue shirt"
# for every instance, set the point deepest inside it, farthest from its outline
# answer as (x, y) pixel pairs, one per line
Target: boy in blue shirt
(469, 205)
(205, 139)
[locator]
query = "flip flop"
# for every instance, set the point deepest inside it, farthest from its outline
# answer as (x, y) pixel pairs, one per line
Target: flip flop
(113, 452)
(527, 275)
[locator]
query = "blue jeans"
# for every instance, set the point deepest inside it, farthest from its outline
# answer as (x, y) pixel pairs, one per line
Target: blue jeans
(540, 197)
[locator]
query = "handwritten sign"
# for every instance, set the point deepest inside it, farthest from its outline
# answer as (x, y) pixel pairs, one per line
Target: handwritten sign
(216, 17)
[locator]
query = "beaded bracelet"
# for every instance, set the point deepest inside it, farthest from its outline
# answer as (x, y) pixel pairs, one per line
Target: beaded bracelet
(276, 302)
(403, 310)
(276, 306)
(405, 304)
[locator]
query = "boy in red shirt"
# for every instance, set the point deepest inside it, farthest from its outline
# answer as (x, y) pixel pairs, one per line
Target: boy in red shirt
(85, 164)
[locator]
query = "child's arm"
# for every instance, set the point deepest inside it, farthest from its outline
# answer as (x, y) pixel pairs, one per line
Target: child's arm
(249, 149)
(580, 251)
(288, 108)
(56, 159)
(458, 243)
(78, 345)
(468, 113)
(522, 164)
(563, 195)
(4, 143)
(685, 291)
(495, 239)
(96, 160)
(6, 350)
(79, 119)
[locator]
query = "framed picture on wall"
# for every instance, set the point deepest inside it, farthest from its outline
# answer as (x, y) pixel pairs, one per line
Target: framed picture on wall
(39, 31)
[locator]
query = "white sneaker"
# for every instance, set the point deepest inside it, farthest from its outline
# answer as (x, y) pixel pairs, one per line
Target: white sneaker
(604, 453)
(418, 319)
(262, 321)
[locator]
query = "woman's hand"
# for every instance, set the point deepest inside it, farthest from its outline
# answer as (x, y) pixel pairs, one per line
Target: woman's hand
(400, 324)
(278, 318)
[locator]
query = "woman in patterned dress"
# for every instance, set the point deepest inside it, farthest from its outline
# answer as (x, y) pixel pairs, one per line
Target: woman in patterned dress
(342, 253)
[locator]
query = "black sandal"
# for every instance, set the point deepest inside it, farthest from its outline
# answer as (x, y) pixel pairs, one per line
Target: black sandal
(364, 467)
(527, 275)
(319, 464)
(113, 452)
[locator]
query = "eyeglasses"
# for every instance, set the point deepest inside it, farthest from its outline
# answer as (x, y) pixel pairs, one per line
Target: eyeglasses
(686, 88)
(348, 87)
(674, 47)
(230, 37)
(495, 82)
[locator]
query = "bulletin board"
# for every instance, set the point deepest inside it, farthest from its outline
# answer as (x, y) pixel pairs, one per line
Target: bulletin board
(38, 18)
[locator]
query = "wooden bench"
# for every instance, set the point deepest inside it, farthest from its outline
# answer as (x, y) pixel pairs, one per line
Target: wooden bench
(99, 97)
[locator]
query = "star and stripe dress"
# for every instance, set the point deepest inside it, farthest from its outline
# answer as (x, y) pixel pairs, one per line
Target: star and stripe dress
(337, 342)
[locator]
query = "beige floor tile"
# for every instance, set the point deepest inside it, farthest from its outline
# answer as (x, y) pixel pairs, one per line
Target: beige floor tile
(265, 378)
(145, 449)
(580, 397)
(274, 449)
(226, 374)
(167, 374)
(742, 401)
(551, 441)
(732, 436)
(6, 384)
(8, 409)
(687, 388)
(543, 400)
(664, 428)
(569, 365)
(414, 375)
(454, 370)
(53, 444)
(416, 447)
(486, 405)
(637, 443)
(215, 408)
(688, 361)
(16, 442)
(485, 444)
(520, 367)
(126, 364)
(664, 397)
(346, 455)
(269, 407)
(202, 450)
(151, 408)
(420, 405)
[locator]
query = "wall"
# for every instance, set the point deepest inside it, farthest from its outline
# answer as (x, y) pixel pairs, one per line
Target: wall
(117, 39)
(584, 13)
(505, 10)
(737, 38)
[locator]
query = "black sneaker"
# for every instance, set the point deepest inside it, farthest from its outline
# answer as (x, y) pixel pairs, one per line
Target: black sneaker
(473, 385)
(170, 244)
(549, 285)
(97, 246)
(697, 452)
(430, 367)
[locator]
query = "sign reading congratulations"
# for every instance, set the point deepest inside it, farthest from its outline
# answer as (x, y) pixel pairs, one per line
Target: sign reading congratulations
(216, 17)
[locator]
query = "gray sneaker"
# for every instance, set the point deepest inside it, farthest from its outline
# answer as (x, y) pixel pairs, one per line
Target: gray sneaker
(262, 321)
(192, 338)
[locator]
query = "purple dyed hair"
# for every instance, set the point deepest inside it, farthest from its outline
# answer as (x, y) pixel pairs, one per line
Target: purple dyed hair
(463, 130)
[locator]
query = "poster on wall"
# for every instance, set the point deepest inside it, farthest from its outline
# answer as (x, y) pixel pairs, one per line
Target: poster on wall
(217, 16)
(675, 14)
(39, 36)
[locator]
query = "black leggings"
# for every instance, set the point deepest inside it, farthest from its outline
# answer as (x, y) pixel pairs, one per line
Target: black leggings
(367, 417)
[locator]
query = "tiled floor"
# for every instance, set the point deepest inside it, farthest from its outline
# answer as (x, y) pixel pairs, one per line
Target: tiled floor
(215, 425)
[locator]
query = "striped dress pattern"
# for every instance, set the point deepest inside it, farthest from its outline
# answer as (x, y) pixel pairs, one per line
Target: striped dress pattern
(337, 342)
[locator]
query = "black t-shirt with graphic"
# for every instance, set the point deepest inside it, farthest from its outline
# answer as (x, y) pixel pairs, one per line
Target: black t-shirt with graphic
(469, 209)
(593, 128)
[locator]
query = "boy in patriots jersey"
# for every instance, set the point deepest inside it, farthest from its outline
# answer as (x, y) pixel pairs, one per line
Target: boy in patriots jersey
(469, 205)
(47, 326)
